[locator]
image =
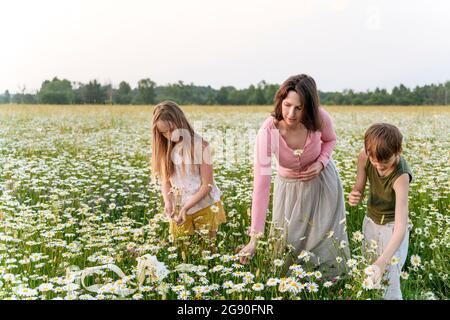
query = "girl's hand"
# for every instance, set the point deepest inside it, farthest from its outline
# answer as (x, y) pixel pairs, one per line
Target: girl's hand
(312, 172)
(168, 209)
(354, 198)
(247, 253)
(181, 216)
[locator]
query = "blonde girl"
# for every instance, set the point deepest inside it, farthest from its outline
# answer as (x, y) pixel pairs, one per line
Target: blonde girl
(181, 159)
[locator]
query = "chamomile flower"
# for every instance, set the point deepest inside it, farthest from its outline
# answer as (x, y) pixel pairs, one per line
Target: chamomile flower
(278, 262)
(358, 236)
(228, 284)
(312, 287)
(367, 284)
(351, 263)
(271, 282)
(415, 260)
(394, 260)
(45, 287)
(258, 287)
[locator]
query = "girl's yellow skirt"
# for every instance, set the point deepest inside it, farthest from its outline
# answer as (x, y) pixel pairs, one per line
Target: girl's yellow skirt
(208, 219)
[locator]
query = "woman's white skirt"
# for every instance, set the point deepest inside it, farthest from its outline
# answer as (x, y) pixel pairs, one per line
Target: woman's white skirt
(311, 216)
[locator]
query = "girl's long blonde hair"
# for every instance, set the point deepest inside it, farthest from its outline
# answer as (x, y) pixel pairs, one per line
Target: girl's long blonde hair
(162, 148)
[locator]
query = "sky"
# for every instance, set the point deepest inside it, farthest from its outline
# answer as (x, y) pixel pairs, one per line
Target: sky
(342, 44)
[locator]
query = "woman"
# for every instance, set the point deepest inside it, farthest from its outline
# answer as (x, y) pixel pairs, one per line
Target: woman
(308, 201)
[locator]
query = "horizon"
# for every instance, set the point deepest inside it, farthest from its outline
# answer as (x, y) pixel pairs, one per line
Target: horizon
(35, 92)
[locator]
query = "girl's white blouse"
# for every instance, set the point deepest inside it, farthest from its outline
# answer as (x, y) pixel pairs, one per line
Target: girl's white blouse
(190, 182)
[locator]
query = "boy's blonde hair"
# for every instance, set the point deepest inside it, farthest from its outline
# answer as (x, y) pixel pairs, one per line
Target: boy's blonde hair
(382, 141)
(162, 148)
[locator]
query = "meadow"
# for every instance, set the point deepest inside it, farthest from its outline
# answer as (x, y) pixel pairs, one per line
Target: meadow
(75, 193)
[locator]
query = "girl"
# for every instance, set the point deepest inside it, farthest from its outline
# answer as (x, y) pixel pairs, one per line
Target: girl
(182, 161)
(386, 221)
(308, 200)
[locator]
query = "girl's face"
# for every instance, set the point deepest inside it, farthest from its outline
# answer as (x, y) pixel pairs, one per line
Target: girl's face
(291, 108)
(382, 166)
(165, 129)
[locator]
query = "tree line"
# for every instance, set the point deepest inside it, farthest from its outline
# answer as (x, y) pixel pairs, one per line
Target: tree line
(63, 91)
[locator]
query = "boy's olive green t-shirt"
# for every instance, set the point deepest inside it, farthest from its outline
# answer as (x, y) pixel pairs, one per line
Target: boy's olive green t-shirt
(381, 201)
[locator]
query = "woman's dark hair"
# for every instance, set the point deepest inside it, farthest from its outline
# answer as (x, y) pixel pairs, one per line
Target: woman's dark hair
(305, 87)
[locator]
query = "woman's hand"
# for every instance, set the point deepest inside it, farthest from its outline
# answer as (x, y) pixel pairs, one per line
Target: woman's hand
(247, 253)
(354, 198)
(168, 209)
(312, 172)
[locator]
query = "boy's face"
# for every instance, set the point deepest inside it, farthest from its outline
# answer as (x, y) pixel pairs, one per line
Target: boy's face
(383, 165)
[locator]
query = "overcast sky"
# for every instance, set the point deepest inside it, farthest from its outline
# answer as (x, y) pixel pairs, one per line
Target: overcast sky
(357, 44)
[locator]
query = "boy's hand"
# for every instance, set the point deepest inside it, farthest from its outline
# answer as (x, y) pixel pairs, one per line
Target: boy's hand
(168, 209)
(376, 274)
(354, 197)
(379, 269)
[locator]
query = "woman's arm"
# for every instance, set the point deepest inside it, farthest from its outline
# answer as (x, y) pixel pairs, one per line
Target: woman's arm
(328, 138)
(328, 142)
(262, 173)
(361, 178)
(401, 187)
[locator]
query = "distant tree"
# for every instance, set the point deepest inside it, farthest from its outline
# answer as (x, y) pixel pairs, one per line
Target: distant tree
(146, 89)
(109, 92)
(251, 95)
(123, 95)
(5, 97)
(222, 96)
(24, 98)
(402, 95)
(259, 97)
(447, 93)
(210, 96)
(237, 97)
(94, 93)
(56, 92)
(269, 93)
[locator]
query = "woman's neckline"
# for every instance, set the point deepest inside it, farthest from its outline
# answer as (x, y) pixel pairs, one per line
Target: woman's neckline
(286, 144)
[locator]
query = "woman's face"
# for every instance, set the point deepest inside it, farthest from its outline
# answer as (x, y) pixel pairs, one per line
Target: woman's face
(291, 108)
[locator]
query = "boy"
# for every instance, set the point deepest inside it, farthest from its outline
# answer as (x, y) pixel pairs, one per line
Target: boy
(386, 221)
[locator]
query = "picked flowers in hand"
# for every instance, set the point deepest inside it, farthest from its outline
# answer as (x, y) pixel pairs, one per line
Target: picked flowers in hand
(177, 196)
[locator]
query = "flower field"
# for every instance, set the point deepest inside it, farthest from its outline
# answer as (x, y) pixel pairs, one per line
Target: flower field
(75, 193)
